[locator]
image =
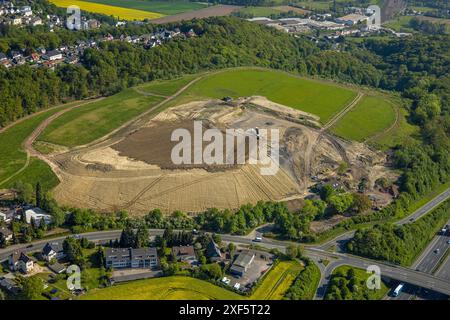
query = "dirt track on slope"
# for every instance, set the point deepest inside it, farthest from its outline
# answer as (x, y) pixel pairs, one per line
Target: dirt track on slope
(28, 143)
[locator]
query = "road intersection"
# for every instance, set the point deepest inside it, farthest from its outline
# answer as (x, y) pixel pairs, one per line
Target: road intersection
(316, 253)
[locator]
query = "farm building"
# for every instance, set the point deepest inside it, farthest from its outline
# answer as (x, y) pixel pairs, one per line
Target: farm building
(242, 263)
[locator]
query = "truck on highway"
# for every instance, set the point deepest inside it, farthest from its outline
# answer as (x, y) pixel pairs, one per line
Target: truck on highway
(398, 290)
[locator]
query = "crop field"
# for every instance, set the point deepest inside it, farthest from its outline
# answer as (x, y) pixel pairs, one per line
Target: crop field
(372, 115)
(167, 288)
(316, 97)
(83, 125)
(119, 12)
(163, 7)
(277, 281)
(273, 287)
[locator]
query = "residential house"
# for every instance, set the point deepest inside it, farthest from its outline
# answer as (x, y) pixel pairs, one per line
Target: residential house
(242, 263)
(38, 215)
(191, 33)
(53, 55)
(36, 21)
(119, 258)
(57, 268)
(212, 251)
(16, 21)
(6, 233)
(19, 261)
(26, 11)
(53, 250)
(184, 253)
(9, 285)
(7, 214)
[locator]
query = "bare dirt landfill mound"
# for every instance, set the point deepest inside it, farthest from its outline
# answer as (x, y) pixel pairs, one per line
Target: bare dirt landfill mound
(134, 170)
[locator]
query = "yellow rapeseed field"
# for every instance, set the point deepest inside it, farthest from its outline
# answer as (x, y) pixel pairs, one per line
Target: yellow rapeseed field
(122, 13)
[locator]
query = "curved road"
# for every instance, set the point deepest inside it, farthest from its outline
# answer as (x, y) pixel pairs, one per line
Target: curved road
(392, 271)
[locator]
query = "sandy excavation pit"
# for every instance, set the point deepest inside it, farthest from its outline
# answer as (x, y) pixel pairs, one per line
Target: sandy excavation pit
(134, 171)
(153, 145)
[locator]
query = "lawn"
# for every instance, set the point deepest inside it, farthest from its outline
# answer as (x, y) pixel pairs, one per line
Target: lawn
(93, 121)
(163, 7)
(12, 155)
(317, 97)
(277, 281)
(166, 288)
(166, 87)
(371, 116)
(361, 292)
(120, 13)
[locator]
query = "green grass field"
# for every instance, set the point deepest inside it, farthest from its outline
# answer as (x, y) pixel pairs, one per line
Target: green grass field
(164, 7)
(317, 97)
(324, 4)
(166, 87)
(36, 171)
(12, 155)
(400, 133)
(361, 278)
(401, 24)
(277, 281)
(371, 116)
(274, 285)
(260, 11)
(83, 125)
(166, 288)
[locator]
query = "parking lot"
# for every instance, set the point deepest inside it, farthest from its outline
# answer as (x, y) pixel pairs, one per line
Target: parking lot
(261, 264)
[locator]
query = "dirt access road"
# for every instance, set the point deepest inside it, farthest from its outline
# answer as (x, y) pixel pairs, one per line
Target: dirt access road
(28, 143)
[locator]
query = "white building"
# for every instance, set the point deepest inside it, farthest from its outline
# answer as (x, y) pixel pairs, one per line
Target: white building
(19, 261)
(38, 215)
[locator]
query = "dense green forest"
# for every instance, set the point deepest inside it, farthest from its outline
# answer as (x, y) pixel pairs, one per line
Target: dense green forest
(399, 244)
(305, 285)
